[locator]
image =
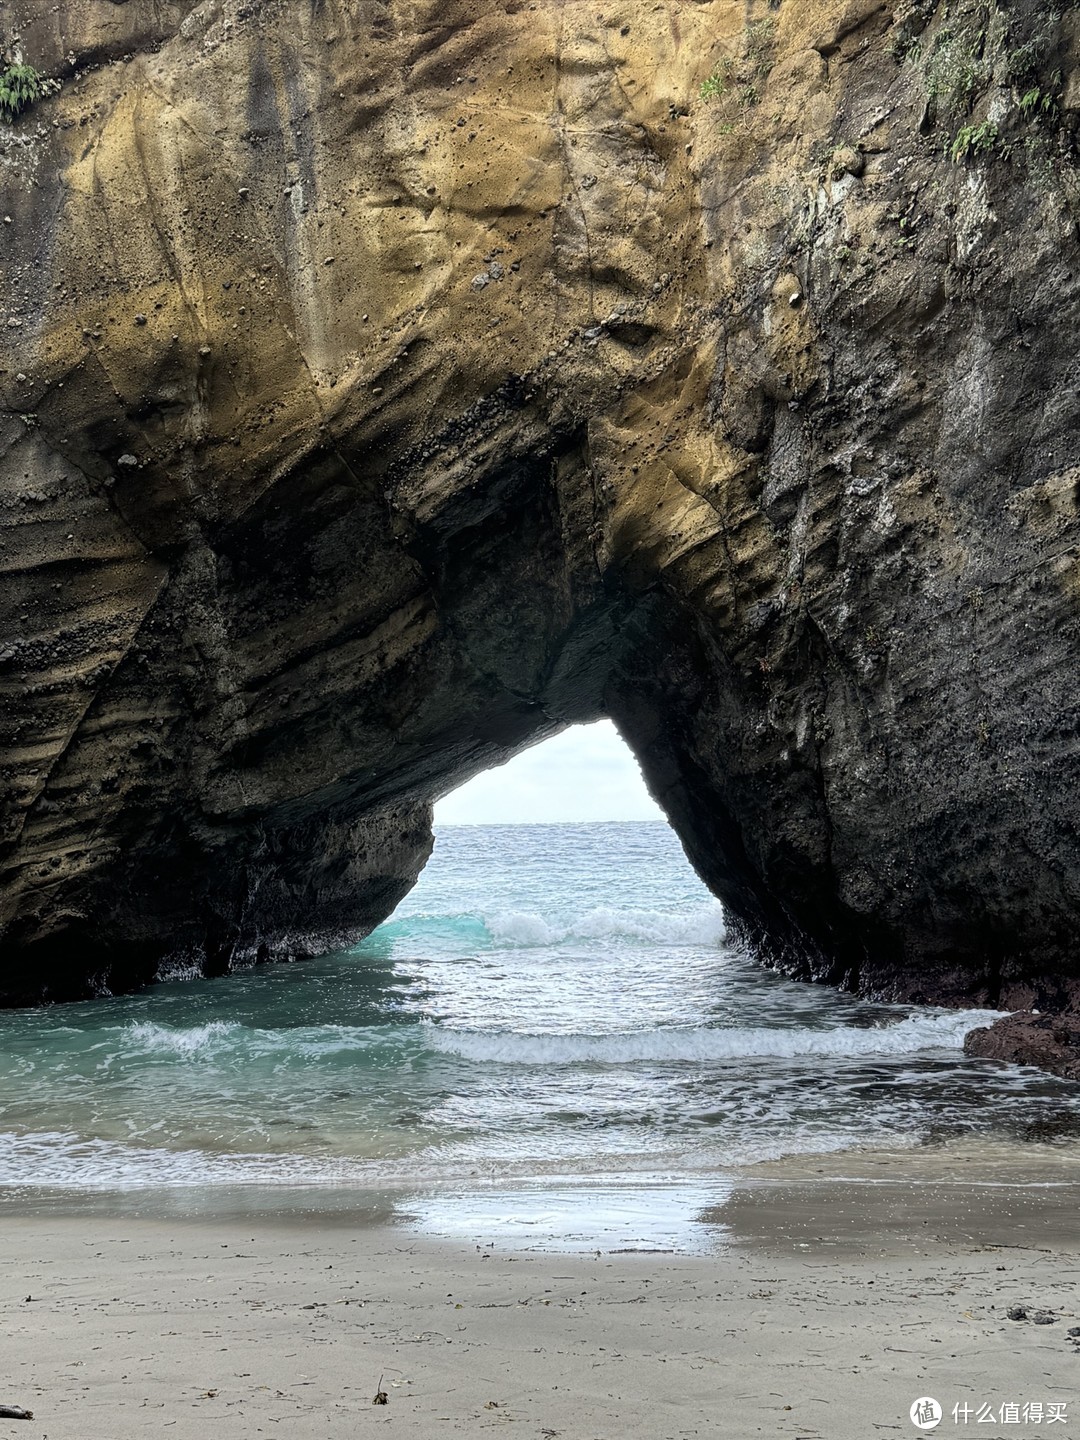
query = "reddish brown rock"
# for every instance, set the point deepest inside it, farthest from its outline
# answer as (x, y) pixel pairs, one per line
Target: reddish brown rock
(1050, 1042)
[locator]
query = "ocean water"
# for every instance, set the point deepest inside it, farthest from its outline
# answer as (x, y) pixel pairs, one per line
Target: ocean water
(553, 1012)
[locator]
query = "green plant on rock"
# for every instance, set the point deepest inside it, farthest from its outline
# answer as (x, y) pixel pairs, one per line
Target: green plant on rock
(1029, 57)
(972, 47)
(757, 40)
(956, 70)
(905, 47)
(757, 59)
(974, 140)
(1043, 166)
(716, 86)
(1038, 104)
(748, 72)
(20, 86)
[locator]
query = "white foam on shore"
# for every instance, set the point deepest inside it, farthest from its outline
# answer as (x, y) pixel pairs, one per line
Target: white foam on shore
(58, 1160)
(935, 1031)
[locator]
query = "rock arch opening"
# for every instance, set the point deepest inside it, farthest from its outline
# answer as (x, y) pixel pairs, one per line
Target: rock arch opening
(584, 775)
(253, 778)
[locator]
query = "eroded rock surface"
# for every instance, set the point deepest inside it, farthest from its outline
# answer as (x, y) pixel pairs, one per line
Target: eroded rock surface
(386, 385)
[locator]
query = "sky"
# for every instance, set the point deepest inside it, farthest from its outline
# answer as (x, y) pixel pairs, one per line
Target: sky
(586, 773)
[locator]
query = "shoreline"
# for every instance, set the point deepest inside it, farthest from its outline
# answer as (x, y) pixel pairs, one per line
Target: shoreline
(836, 1197)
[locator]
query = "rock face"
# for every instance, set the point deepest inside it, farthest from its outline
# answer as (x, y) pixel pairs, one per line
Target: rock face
(387, 385)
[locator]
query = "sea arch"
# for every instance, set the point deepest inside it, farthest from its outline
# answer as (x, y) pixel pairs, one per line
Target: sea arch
(461, 372)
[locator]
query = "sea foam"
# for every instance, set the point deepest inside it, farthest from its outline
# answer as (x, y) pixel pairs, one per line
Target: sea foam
(186, 1041)
(906, 1037)
(60, 1160)
(229, 1040)
(530, 929)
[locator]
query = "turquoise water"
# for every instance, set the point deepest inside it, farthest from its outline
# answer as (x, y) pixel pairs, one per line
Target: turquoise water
(551, 1004)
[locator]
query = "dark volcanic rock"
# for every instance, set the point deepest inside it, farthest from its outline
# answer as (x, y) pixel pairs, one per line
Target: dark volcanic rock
(1050, 1042)
(761, 439)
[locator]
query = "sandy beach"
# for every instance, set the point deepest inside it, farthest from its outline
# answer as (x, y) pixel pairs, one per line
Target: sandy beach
(829, 1306)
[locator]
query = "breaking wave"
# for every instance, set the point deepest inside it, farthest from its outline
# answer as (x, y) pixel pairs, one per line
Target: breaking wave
(231, 1040)
(227, 1040)
(651, 927)
(526, 929)
(905, 1037)
(191, 1040)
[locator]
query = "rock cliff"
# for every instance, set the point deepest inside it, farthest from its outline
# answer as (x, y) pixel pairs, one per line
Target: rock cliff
(387, 384)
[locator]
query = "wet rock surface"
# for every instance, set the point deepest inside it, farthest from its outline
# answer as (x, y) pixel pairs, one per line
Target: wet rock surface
(1049, 1042)
(759, 435)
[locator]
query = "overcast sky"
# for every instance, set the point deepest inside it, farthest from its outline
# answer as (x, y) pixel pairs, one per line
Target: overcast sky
(586, 773)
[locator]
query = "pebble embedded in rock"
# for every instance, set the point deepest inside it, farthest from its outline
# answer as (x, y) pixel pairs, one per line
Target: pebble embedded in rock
(847, 161)
(1017, 1312)
(1043, 1317)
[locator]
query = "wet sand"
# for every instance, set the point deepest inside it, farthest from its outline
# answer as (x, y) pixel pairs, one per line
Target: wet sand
(826, 1307)
(971, 1193)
